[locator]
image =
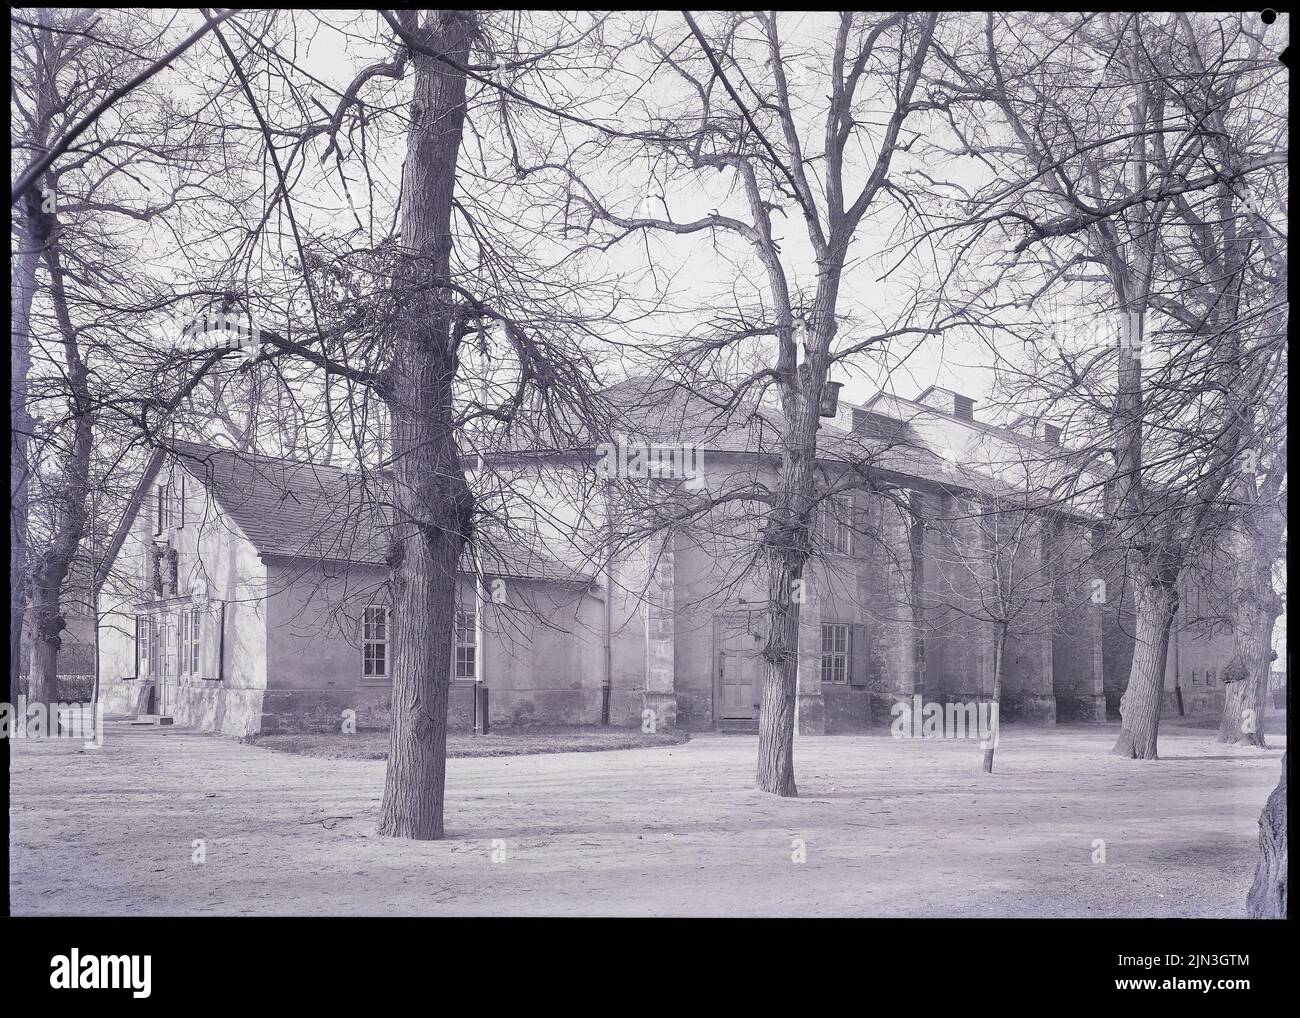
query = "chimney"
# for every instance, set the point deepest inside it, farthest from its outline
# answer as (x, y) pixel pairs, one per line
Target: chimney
(874, 425)
(1036, 428)
(954, 403)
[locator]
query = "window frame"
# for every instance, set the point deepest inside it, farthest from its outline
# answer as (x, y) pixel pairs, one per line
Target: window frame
(833, 659)
(169, 512)
(835, 525)
(369, 641)
(143, 633)
(190, 630)
(465, 651)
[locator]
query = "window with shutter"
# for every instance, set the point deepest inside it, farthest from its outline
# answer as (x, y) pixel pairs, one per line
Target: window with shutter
(859, 656)
(210, 621)
(141, 646)
(154, 662)
(835, 652)
(190, 641)
(833, 525)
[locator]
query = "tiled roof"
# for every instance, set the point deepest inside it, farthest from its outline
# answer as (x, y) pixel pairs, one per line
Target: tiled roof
(295, 509)
(660, 410)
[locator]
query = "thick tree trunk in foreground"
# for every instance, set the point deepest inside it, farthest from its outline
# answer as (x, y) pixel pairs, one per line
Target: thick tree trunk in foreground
(50, 569)
(788, 543)
(1255, 608)
(433, 505)
(23, 277)
(1157, 603)
(47, 625)
(1267, 897)
(999, 655)
(1245, 693)
(776, 712)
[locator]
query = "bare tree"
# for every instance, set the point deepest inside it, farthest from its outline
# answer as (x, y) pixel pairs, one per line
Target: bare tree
(1120, 175)
(751, 110)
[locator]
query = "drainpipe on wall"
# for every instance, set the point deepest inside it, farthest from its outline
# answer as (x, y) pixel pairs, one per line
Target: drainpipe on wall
(221, 644)
(606, 686)
(1178, 672)
(480, 651)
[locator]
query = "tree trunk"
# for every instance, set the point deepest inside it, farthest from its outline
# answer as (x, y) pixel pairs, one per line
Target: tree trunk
(47, 624)
(433, 506)
(1255, 608)
(70, 501)
(1267, 897)
(999, 655)
(1157, 602)
(777, 710)
(787, 545)
(23, 276)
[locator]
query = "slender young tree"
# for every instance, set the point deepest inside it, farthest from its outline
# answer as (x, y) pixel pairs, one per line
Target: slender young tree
(753, 111)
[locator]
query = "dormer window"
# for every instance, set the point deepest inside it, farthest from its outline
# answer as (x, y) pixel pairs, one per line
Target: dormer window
(170, 504)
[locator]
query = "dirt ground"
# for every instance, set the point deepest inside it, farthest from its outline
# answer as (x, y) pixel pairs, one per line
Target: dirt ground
(885, 827)
(373, 745)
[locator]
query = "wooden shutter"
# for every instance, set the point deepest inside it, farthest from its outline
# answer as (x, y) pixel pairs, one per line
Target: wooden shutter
(859, 655)
(141, 647)
(211, 624)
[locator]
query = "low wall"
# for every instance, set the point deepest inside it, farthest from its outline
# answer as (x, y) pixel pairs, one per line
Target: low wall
(208, 707)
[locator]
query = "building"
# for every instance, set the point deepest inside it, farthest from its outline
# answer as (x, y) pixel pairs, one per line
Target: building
(247, 593)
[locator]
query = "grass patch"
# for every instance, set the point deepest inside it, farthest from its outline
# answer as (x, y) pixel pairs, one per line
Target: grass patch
(372, 744)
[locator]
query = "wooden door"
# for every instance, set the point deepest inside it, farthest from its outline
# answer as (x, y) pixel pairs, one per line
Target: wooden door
(740, 669)
(169, 662)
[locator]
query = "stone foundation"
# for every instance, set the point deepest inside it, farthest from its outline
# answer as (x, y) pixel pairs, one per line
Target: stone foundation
(810, 714)
(1081, 708)
(664, 706)
(1195, 701)
(1028, 707)
(206, 706)
(848, 708)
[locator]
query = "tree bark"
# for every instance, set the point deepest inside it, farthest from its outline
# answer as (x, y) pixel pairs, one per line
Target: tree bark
(1157, 603)
(999, 655)
(23, 272)
(433, 506)
(1267, 897)
(787, 547)
(777, 709)
(1255, 608)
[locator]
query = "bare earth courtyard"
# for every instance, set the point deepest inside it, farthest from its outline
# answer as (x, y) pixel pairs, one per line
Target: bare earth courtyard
(888, 828)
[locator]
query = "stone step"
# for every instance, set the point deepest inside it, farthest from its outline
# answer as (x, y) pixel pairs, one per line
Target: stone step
(152, 719)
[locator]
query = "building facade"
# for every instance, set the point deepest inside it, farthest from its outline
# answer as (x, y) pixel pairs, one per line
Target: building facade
(247, 593)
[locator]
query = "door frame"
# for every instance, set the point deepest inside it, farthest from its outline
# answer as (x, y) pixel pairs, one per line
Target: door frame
(729, 619)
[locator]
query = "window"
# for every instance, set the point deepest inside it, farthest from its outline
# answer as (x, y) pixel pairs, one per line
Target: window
(170, 504)
(190, 625)
(374, 642)
(466, 646)
(834, 525)
(835, 652)
(963, 407)
(142, 645)
(155, 640)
